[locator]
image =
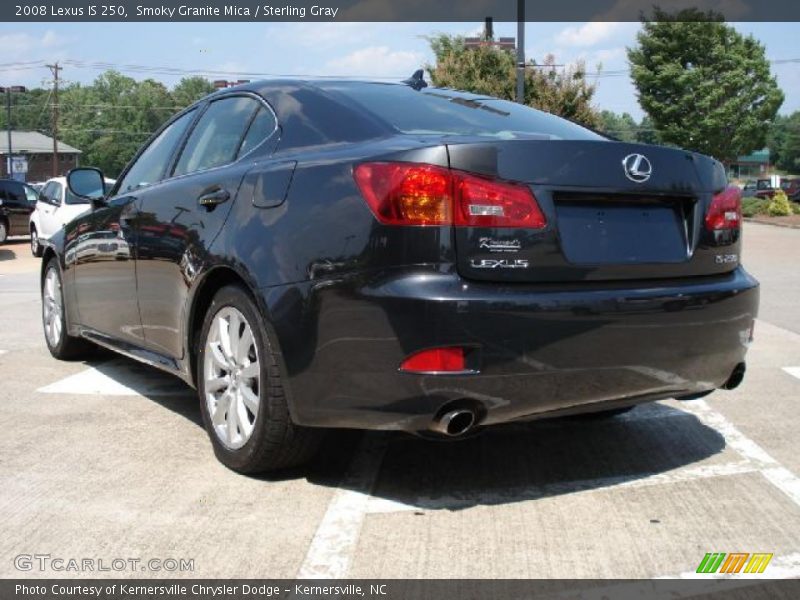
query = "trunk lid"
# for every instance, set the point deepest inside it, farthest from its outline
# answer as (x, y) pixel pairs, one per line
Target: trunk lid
(614, 211)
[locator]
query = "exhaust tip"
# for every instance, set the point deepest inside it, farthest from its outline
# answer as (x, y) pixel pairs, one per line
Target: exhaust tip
(455, 422)
(737, 375)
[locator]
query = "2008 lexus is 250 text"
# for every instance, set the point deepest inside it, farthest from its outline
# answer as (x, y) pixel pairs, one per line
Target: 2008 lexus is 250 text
(340, 254)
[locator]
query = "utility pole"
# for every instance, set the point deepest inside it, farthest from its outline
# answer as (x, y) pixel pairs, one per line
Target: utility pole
(9, 163)
(521, 51)
(55, 69)
(7, 91)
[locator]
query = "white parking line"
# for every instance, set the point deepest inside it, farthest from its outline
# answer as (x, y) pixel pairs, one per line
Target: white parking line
(793, 371)
(771, 469)
(118, 377)
(757, 460)
(331, 550)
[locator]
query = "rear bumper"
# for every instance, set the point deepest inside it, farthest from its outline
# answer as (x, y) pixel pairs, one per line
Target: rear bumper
(541, 348)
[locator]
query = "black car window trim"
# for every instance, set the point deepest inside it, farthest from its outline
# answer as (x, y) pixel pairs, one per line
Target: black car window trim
(199, 109)
(185, 140)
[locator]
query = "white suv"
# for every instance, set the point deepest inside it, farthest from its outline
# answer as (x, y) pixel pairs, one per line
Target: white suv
(56, 207)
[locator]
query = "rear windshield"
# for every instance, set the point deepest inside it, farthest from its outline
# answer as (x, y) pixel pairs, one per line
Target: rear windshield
(440, 111)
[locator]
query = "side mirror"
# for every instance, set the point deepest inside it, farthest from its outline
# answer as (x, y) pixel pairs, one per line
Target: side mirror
(88, 183)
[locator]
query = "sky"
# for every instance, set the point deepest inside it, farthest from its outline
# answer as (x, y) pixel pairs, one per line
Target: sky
(370, 50)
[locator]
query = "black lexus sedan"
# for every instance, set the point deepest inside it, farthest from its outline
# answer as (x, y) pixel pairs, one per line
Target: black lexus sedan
(339, 254)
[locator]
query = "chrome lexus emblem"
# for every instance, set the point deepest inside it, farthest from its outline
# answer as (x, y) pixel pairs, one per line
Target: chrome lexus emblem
(637, 167)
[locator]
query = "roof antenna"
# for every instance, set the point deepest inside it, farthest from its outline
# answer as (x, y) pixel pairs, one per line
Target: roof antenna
(417, 80)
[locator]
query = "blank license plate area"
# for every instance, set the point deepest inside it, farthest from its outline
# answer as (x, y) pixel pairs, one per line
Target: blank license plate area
(610, 232)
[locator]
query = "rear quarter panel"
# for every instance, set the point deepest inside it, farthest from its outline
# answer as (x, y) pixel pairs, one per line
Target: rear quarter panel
(324, 229)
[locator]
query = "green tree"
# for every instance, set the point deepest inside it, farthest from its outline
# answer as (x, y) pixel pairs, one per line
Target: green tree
(647, 132)
(623, 127)
(776, 139)
(705, 86)
(110, 119)
(784, 142)
(490, 70)
(191, 89)
(107, 120)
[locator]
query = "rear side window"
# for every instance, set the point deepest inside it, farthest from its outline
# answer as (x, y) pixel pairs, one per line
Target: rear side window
(152, 163)
(218, 134)
(440, 111)
(261, 127)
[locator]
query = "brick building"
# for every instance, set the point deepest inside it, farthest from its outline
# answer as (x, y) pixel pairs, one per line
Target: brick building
(37, 149)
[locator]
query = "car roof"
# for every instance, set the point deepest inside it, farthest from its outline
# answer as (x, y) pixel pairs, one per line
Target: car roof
(323, 84)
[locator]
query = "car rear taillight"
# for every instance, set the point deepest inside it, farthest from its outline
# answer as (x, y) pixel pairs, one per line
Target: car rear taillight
(407, 193)
(419, 194)
(725, 211)
(436, 360)
(484, 202)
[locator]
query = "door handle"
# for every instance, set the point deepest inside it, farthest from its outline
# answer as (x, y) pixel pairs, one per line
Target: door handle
(213, 196)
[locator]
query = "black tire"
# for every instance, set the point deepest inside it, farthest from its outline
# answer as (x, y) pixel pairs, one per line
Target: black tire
(36, 247)
(66, 347)
(602, 414)
(275, 442)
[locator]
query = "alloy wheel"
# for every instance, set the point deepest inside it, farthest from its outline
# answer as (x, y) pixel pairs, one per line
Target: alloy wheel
(231, 377)
(52, 308)
(34, 242)
(3, 232)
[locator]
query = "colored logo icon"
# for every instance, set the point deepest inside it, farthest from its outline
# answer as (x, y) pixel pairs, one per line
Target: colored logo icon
(735, 562)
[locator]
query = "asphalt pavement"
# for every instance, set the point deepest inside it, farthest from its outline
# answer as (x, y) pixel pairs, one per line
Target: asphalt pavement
(107, 459)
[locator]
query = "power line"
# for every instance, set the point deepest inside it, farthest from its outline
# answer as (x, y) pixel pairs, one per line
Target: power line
(20, 63)
(600, 74)
(44, 106)
(166, 70)
(181, 71)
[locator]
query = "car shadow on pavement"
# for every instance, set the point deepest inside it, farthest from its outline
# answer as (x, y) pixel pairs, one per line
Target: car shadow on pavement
(162, 388)
(503, 464)
(13, 248)
(527, 461)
